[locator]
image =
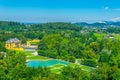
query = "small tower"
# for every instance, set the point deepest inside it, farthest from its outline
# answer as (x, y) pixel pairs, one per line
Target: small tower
(28, 44)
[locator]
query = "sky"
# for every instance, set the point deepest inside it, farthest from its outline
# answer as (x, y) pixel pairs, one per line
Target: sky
(59, 10)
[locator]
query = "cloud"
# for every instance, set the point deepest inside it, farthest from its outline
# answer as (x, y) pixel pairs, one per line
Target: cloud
(81, 19)
(115, 19)
(106, 8)
(100, 21)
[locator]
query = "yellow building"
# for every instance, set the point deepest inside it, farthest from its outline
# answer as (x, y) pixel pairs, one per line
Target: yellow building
(28, 44)
(14, 44)
(35, 40)
(32, 42)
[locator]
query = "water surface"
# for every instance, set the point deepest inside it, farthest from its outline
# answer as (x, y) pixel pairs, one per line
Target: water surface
(40, 63)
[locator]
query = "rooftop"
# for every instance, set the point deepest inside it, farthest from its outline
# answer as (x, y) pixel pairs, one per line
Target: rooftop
(13, 40)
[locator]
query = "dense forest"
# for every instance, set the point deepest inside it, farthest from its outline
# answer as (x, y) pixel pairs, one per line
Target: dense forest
(97, 47)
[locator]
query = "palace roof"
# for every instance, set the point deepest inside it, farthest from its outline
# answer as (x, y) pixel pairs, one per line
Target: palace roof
(13, 40)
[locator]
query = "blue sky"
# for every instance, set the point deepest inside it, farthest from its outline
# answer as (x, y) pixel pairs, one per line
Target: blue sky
(59, 10)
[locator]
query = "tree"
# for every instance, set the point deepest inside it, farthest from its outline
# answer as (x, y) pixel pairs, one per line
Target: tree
(53, 41)
(94, 46)
(89, 53)
(116, 75)
(70, 73)
(101, 72)
(89, 62)
(72, 59)
(104, 56)
(2, 47)
(2, 55)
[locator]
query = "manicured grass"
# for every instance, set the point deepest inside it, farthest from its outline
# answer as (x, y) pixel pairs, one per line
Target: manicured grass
(34, 43)
(86, 68)
(56, 68)
(56, 71)
(30, 56)
(116, 36)
(73, 65)
(58, 65)
(28, 53)
(38, 58)
(99, 35)
(83, 67)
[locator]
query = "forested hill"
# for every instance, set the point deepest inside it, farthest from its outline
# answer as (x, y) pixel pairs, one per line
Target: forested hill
(15, 26)
(10, 26)
(56, 26)
(100, 24)
(32, 31)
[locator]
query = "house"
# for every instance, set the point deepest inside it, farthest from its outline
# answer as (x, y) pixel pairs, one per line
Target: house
(109, 36)
(14, 44)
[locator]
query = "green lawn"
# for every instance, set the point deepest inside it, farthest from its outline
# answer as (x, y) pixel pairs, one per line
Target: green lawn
(56, 71)
(38, 58)
(59, 65)
(34, 43)
(56, 68)
(86, 68)
(30, 56)
(116, 36)
(100, 35)
(28, 53)
(83, 67)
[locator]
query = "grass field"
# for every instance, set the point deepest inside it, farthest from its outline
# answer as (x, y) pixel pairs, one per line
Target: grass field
(34, 43)
(57, 68)
(116, 36)
(99, 35)
(30, 56)
(38, 58)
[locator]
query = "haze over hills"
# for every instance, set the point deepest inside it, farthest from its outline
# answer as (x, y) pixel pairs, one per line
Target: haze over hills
(103, 23)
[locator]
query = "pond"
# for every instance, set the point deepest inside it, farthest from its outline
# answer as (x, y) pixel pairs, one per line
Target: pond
(40, 63)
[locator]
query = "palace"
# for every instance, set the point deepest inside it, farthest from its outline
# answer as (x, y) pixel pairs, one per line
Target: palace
(15, 44)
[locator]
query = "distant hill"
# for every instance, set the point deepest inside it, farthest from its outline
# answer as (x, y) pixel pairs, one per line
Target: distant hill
(97, 24)
(113, 23)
